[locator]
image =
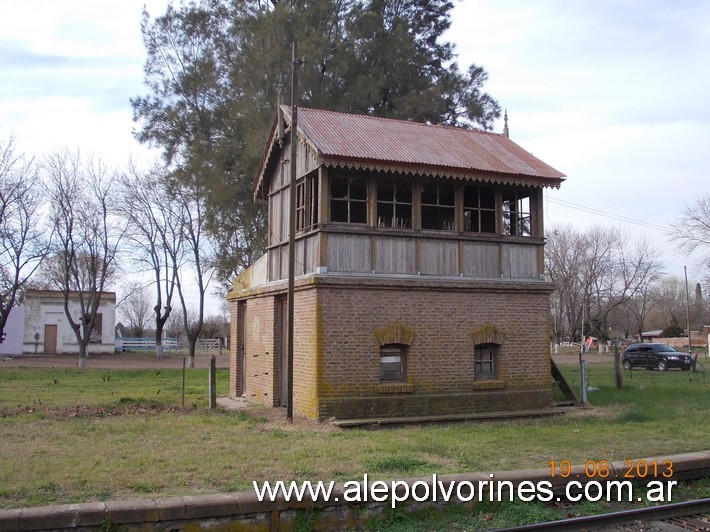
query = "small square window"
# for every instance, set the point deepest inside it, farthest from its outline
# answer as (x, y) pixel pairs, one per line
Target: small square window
(348, 199)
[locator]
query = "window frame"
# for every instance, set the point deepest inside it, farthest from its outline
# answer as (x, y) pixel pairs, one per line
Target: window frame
(438, 207)
(348, 200)
(513, 217)
(396, 204)
(492, 352)
(393, 350)
(307, 203)
(480, 215)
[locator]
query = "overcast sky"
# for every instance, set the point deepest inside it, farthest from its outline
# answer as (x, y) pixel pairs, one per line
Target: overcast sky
(614, 94)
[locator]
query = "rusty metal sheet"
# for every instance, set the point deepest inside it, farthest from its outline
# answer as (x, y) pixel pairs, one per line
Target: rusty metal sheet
(371, 138)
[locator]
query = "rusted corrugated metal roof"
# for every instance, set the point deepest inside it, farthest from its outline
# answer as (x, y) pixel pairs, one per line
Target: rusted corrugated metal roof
(361, 141)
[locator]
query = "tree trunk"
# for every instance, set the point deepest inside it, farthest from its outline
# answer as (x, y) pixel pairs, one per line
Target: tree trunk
(191, 342)
(82, 354)
(158, 343)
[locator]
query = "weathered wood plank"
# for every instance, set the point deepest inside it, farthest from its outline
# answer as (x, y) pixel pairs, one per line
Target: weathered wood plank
(439, 257)
(349, 253)
(519, 261)
(481, 259)
(395, 255)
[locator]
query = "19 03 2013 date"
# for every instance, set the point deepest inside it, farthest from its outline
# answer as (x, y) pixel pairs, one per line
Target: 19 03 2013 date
(631, 469)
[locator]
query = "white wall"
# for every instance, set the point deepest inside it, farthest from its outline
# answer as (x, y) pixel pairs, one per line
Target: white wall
(41, 311)
(14, 332)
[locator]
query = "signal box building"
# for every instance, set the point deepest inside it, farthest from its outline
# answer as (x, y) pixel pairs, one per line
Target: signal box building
(419, 288)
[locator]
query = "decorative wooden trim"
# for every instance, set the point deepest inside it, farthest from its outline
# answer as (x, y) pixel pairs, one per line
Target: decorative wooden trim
(395, 167)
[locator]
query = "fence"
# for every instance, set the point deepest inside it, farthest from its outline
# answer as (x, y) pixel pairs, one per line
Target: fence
(128, 345)
(123, 380)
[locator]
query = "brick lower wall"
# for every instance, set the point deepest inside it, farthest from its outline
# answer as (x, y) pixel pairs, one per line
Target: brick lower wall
(337, 348)
(440, 357)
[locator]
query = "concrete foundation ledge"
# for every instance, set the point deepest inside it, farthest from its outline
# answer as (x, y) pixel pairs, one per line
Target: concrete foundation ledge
(243, 510)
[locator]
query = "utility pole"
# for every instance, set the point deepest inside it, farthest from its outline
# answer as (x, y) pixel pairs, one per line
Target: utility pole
(687, 308)
(292, 230)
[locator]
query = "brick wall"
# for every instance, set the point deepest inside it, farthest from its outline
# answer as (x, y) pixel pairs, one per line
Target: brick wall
(262, 341)
(235, 342)
(337, 353)
(441, 353)
(307, 351)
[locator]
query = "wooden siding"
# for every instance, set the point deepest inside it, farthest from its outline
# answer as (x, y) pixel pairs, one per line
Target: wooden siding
(438, 257)
(395, 255)
(307, 258)
(481, 259)
(400, 255)
(519, 261)
(349, 253)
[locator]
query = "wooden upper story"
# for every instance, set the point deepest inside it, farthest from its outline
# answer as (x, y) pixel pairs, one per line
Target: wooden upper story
(394, 198)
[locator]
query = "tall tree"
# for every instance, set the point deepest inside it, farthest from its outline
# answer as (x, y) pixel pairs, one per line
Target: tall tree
(87, 237)
(155, 222)
(23, 237)
(669, 303)
(215, 67)
(596, 272)
(199, 261)
(691, 232)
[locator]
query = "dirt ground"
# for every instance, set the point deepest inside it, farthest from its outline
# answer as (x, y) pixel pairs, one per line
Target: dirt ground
(111, 361)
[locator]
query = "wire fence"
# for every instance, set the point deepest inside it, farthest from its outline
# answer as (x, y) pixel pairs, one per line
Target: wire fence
(109, 381)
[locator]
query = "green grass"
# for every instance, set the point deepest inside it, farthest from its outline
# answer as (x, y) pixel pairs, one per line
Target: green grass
(37, 388)
(48, 458)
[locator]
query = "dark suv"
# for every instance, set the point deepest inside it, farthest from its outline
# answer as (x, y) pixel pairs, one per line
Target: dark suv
(661, 356)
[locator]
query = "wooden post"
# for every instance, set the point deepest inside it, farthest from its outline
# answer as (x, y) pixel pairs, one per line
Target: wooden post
(617, 368)
(213, 382)
(584, 383)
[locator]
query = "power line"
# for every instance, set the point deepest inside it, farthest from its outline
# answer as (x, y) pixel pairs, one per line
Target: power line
(604, 214)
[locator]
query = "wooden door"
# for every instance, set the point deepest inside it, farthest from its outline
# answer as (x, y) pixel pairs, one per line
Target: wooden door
(50, 339)
(283, 358)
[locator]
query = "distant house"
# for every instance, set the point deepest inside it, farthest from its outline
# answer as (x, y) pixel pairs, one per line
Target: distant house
(39, 325)
(650, 336)
(420, 287)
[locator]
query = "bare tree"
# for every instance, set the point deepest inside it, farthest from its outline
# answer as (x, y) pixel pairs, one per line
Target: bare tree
(200, 260)
(564, 262)
(24, 241)
(85, 247)
(691, 232)
(635, 267)
(174, 325)
(156, 235)
(595, 273)
(135, 308)
(632, 316)
(668, 303)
